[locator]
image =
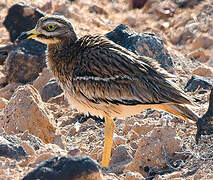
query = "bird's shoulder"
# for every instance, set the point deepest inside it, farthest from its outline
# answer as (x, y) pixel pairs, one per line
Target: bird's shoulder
(91, 41)
(113, 73)
(97, 49)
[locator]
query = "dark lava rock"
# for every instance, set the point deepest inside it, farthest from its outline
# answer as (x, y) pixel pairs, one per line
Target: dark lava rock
(25, 61)
(4, 51)
(137, 3)
(187, 3)
(3, 56)
(198, 82)
(66, 168)
(205, 123)
(27, 58)
(83, 118)
(10, 150)
(98, 10)
(143, 44)
(20, 18)
(51, 89)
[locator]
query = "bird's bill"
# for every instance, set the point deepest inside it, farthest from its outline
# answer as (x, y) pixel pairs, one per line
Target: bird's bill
(28, 35)
(32, 34)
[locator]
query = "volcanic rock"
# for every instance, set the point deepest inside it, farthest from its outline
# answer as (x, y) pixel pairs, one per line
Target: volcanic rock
(66, 168)
(137, 3)
(143, 44)
(4, 51)
(20, 18)
(49, 90)
(153, 149)
(26, 111)
(42, 79)
(10, 150)
(198, 82)
(25, 61)
(205, 123)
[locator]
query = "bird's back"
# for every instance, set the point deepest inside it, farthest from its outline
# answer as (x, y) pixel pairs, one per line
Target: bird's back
(102, 74)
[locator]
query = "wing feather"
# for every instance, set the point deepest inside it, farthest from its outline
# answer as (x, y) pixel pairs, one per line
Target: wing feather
(111, 74)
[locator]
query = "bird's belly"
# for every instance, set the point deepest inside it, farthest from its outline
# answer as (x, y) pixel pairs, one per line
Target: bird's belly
(84, 106)
(105, 109)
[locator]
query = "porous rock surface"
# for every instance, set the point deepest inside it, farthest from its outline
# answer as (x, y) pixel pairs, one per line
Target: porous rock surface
(143, 44)
(199, 82)
(167, 30)
(20, 18)
(67, 168)
(154, 148)
(25, 61)
(26, 111)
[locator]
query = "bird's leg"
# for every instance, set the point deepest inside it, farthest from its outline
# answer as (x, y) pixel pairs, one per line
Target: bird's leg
(109, 130)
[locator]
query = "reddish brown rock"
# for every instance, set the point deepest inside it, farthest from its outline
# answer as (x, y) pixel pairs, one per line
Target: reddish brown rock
(132, 135)
(119, 140)
(28, 148)
(3, 102)
(199, 54)
(202, 41)
(150, 149)
(164, 13)
(121, 154)
(74, 152)
(7, 91)
(26, 111)
(142, 129)
(42, 79)
(26, 59)
(60, 100)
(43, 157)
(98, 10)
(203, 71)
(60, 141)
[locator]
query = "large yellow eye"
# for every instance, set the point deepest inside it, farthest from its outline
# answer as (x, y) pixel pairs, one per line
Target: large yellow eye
(50, 27)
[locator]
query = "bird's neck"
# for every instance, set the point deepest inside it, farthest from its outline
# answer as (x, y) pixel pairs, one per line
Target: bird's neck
(60, 55)
(61, 50)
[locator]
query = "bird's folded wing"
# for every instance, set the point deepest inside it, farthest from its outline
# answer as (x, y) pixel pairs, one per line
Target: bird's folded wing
(113, 75)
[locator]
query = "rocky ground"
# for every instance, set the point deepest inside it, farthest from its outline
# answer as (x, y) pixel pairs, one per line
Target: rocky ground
(36, 122)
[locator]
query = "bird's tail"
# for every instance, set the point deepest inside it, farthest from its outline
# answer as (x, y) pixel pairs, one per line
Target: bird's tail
(181, 111)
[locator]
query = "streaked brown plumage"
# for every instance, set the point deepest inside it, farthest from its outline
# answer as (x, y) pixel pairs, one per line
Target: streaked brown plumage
(105, 79)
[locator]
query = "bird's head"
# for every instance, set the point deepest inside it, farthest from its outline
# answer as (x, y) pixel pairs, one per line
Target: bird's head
(51, 30)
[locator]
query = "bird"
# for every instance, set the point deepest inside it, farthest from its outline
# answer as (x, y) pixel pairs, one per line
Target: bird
(104, 79)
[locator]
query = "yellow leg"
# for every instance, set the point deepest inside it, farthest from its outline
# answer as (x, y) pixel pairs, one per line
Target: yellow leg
(109, 130)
